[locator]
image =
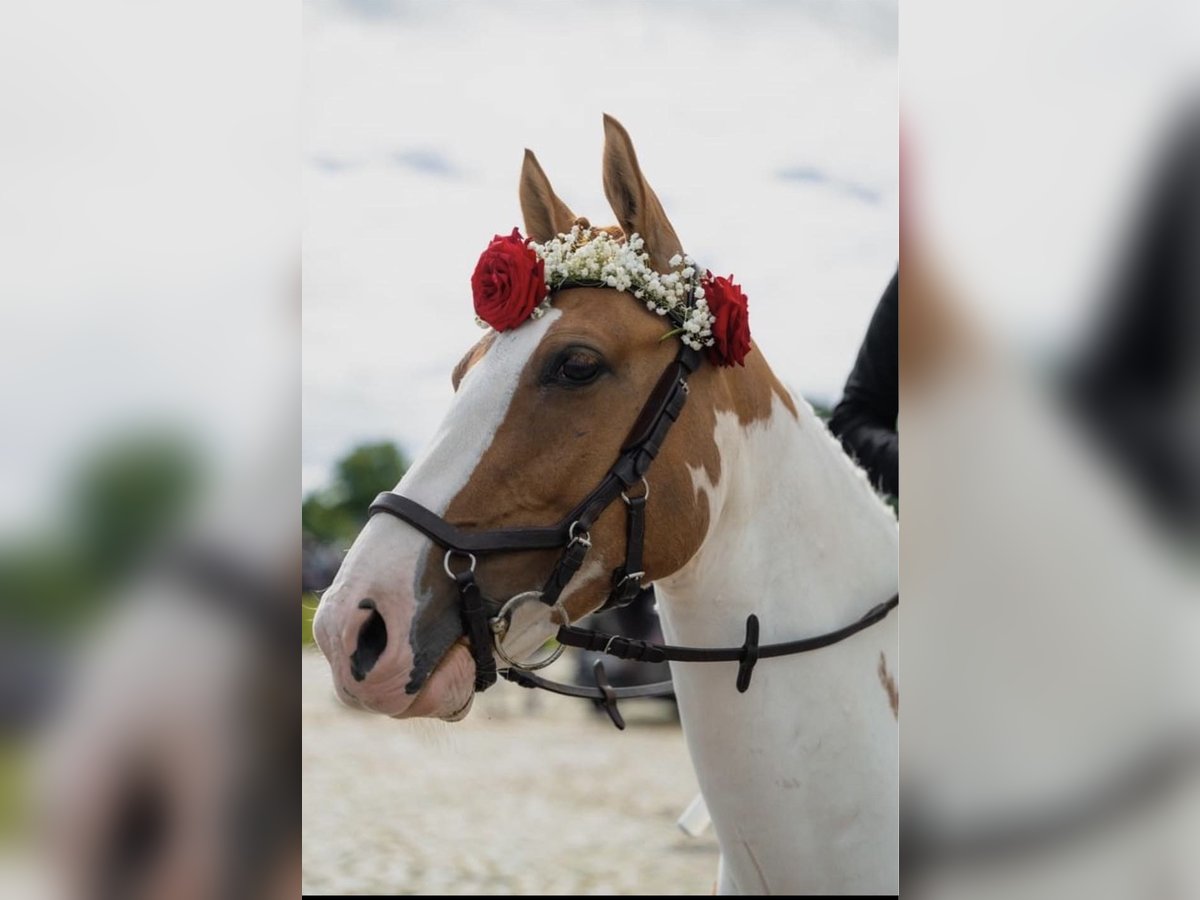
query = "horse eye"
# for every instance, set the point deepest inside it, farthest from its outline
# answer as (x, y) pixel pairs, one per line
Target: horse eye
(578, 368)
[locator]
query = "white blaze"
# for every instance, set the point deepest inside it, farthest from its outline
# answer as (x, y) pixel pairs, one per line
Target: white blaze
(480, 406)
(388, 554)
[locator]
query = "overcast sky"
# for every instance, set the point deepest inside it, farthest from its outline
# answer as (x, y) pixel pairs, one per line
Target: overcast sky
(768, 131)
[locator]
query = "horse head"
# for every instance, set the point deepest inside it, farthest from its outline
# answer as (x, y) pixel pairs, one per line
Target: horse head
(539, 413)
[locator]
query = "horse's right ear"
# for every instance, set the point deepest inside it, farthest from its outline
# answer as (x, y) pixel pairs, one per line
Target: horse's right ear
(636, 205)
(545, 215)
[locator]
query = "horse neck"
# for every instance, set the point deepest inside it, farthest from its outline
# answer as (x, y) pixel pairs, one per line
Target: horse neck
(796, 535)
(799, 773)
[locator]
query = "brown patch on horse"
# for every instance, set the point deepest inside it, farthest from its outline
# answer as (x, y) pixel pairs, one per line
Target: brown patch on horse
(889, 686)
(752, 395)
(474, 355)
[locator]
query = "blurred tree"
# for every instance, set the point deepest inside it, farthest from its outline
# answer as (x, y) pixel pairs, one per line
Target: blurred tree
(127, 493)
(334, 514)
(367, 470)
(44, 585)
(326, 519)
(124, 494)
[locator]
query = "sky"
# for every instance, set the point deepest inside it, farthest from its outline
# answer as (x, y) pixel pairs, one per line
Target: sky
(768, 130)
(150, 174)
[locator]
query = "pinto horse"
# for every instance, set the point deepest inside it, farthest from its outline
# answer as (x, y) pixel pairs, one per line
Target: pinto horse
(755, 509)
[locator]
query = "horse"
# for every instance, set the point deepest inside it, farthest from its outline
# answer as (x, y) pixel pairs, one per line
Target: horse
(752, 508)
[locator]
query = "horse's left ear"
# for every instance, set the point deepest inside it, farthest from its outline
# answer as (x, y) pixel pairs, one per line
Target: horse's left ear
(545, 214)
(631, 198)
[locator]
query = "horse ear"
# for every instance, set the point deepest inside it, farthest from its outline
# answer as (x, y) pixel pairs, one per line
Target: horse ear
(631, 198)
(545, 214)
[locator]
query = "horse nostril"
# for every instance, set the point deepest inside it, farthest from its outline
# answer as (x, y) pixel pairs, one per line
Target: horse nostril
(372, 638)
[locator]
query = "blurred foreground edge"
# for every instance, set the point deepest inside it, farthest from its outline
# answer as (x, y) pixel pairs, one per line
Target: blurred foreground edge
(1051, 730)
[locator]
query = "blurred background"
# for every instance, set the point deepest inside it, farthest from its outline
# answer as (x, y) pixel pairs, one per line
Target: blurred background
(149, 311)
(769, 131)
(1050, 409)
(149, 337)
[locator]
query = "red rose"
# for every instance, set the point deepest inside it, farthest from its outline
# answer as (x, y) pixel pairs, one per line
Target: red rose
(509, 282)
(731, 330)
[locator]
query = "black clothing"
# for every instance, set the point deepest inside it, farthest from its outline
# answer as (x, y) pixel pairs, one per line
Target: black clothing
(865, 418)
(1135, 384)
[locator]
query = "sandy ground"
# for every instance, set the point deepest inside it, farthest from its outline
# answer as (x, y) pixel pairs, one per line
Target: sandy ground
(531, 794)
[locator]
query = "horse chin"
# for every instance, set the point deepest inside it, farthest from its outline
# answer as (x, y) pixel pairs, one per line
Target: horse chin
(449, 692)
(460, 714)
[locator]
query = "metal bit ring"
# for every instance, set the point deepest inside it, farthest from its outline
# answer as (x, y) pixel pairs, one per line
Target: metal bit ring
(500, 629)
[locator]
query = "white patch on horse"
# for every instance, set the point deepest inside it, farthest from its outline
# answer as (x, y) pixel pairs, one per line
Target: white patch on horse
(390, 552)
(475, 415)
(796, 536)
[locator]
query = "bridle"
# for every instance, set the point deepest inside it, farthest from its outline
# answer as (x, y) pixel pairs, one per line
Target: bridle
(485, 633)
(637, 453)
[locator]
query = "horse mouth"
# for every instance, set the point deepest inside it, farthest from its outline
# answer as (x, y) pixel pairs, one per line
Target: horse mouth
(461, 713)
(449, 691)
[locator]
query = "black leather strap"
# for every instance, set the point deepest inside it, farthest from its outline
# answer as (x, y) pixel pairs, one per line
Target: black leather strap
(564, 570)
(627, 577)
(626, 648)
(747, 655)
(434, 526)
(587, 692)
(475, 624)
(663, 400)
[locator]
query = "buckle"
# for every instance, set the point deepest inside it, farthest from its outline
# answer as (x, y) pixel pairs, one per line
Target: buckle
(626, 587)
(629, 587)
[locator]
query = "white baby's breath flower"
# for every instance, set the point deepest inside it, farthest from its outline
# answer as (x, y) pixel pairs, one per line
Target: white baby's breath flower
(589, 256)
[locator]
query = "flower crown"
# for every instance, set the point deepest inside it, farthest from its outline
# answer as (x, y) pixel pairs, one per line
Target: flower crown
(516, 278)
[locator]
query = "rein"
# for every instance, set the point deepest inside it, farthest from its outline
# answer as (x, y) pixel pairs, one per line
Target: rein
(485, 633)
(746, 656)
